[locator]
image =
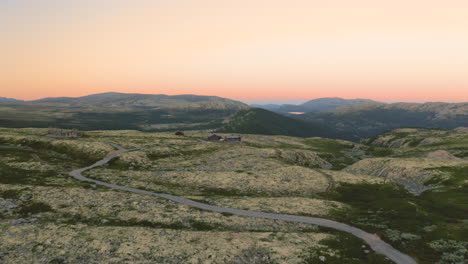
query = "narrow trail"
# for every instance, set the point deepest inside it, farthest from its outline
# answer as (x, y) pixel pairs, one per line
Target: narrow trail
(331, 181)
(378, 245)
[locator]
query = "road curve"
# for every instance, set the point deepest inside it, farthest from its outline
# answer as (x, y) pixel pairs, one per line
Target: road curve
(372, 240)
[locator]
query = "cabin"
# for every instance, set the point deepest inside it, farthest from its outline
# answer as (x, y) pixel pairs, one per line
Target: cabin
(179, 133)
(214, 137)
(55, 132)
(233, 139)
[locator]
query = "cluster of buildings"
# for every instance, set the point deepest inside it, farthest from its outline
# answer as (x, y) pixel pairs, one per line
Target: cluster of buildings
(57, 132)
(214, 137)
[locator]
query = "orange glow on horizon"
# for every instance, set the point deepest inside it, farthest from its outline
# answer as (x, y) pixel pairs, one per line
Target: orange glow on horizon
(249, 50)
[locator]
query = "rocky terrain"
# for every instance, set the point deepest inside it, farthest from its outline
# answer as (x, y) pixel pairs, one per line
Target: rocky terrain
(48, 217)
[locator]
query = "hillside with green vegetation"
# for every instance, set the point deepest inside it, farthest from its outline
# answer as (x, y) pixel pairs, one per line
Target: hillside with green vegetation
(319, 104)
(126, 100)
(427, 213)
(329, 103)
(261, 121)
(121, 111)
(359, 121)
(408, 186)
(355, 120)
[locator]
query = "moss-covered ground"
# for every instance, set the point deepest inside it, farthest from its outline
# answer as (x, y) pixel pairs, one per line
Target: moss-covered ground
(303, 176)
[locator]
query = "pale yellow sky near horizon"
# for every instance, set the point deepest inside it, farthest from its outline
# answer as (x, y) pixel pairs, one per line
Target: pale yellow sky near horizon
(248, 50)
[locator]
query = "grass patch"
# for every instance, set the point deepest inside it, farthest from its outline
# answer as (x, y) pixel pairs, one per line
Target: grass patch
(35, 208)
(181, 153)
(414, 142)
(11, 194)
(457, 176)
(403, 219)
(204, 226)
(9, 175)
(190, 224)
(342, 248)
(380, 152)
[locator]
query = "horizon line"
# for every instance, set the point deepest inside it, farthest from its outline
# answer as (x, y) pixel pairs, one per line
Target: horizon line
(246, 101)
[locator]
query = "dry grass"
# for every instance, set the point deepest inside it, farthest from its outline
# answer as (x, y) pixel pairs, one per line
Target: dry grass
(285, 205)
(97, 225)
(417, 169)
(85, 244)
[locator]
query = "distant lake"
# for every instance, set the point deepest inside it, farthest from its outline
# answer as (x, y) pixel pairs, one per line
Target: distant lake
(296, 113)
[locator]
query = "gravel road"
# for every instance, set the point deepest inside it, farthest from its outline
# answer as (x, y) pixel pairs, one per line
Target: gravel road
(372, 240)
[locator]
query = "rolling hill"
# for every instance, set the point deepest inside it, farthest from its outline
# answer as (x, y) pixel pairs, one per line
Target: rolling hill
(9, 100)
(124, 100)
(121, 111)
(319, 104)
(359, 121)
(261, 121)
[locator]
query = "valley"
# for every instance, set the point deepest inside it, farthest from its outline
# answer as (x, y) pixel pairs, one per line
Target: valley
(359, 184)
(335, 118)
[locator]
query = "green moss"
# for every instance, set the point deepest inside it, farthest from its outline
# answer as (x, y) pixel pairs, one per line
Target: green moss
(204, 226)
(9, 175)
(342, 248)
(414, 142)
(389, 210)
(462, 154)
(10, 194)
(380, 152)
(35, 208)
(457, 175)
(181, 153)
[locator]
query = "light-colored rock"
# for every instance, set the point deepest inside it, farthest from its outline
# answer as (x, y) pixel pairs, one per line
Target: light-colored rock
(305, 158)
(442, 155)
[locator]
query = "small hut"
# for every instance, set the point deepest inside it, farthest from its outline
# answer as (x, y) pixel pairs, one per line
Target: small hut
(214, 137)
(179, 133)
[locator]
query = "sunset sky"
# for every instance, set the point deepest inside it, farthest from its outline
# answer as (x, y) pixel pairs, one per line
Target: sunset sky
(250, 50)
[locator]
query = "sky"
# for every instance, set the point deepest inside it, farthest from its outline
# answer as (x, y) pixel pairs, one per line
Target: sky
(249, 50)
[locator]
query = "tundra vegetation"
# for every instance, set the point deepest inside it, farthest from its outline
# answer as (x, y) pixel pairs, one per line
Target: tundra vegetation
(409, 186)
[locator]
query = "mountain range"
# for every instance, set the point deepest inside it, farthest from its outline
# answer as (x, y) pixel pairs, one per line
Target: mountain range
(9, 100)
(146, 112)
(327, 117)
(124, 100)
(320, 104)
(355, 122)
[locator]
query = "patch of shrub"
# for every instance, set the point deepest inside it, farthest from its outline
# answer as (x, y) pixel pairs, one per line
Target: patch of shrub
(400, 218)
(35, 208)
(453, 252)
(10, 194)
(380, 152)
(204, 226)
(342, 248)
(9, 175)
(254, 255)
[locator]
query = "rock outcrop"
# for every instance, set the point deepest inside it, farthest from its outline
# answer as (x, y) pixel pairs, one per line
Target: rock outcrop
(305, 158)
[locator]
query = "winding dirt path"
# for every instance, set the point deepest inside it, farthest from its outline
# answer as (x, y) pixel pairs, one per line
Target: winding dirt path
(378, 245)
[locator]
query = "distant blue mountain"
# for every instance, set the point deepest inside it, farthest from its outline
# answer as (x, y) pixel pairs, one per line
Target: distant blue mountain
(320, 104)
(9, 100)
